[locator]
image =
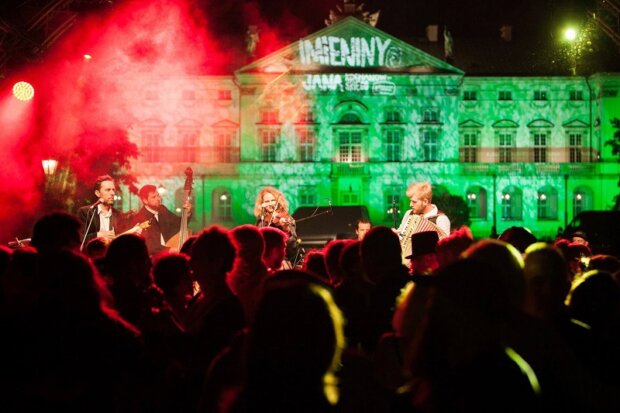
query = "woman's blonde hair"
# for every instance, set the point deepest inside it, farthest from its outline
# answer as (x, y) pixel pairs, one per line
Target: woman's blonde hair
(279, 196)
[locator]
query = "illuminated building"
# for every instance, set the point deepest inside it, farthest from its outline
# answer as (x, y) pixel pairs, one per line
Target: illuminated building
(353, 115)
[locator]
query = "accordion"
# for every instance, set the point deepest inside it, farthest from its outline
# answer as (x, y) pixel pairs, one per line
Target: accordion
(416, 223)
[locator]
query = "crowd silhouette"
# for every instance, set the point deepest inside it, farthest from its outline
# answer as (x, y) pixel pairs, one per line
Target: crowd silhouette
(504, 325)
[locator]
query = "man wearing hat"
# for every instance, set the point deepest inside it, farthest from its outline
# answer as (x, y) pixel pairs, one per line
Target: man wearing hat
(423, 258)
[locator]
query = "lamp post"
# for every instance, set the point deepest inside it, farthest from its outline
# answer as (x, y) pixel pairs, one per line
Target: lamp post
(49, 166)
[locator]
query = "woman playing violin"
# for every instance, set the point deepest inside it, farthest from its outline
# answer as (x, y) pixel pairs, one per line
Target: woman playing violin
(271, 210)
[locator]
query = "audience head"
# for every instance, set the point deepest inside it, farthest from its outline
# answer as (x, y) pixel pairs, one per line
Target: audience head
(594, 298)
(275, 247)
(296, 339)
(186, 248)
(450, 248)
(56, 231)
(381, 253)
(518, 237)
(332, 257)
(127, 261)
(507, 264)
(547, 281)
(314, 262)
(423, 252)
(579, 237)
(213, 255)
(249, 243)
(96, 248)
(171, 273)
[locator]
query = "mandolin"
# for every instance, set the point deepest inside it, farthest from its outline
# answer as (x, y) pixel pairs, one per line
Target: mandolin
(177, 240)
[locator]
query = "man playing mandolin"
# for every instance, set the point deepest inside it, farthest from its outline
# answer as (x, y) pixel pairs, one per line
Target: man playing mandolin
(164, 224)
(101, 220)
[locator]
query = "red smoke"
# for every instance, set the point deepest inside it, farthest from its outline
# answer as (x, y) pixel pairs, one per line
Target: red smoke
(82, 103)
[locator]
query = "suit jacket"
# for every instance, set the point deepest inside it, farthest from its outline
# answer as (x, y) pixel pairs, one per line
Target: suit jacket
(167, 224)
(85, 214)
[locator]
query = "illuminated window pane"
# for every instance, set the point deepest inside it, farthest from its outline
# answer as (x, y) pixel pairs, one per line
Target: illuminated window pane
(189, 145)
(224, 94)
(477, 202)
(575, 146)
(221, 205)
(350, 146)
(150, 149)
(511, 204)
(269, 144)
(393, 145)
(306, 139)
(540, 95)
(469, 147)
(505, 146)
(505, 95)
(429, 145)
(269, 116)
(430, 115)
(540, 147)
(307, 196)
(470, 95)
(392, 116)
(576, 95)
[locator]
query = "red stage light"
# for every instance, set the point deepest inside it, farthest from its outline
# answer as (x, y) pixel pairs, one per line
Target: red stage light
(23, 91)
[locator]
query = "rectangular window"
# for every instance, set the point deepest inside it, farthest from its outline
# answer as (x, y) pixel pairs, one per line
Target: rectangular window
(470, 147)
(150, 146)
(540, 95)
(269, 116)
(392, 116)
(307, 196)
(350, 146)
(306, 139)
(224, 149)
(575, 140)
(224, 94)
(189, 145)
(430, 115)
(429, 145)
(505, 95)
(540, 147)
(470, 95)
(505, 147)
(223, 207)
(393, 145)
(576, 95)
(306, 115)
(269, 144)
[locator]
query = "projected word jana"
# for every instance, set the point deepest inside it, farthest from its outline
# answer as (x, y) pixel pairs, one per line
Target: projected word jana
(349, 52)
(350, 82)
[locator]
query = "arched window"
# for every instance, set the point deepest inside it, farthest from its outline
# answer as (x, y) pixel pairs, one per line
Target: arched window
(512, 201)
(547, 202)
(582, 199)
(221, 205)
(391, 203)
(477, 202)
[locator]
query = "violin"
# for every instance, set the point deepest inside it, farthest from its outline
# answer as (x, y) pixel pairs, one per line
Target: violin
(279, 219)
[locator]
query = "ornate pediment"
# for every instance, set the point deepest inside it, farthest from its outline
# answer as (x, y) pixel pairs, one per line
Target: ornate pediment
(349, 46)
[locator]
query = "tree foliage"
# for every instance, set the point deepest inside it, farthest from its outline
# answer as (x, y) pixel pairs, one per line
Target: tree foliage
(454, 207)
(615, 150)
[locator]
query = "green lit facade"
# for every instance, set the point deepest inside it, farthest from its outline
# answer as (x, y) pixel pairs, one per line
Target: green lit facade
(353, 115)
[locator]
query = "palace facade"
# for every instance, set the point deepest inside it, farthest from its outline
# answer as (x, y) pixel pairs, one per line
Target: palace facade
(352, 115)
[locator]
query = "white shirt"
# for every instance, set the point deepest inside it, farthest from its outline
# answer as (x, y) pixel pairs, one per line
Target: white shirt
(443, 222)
(104, 218)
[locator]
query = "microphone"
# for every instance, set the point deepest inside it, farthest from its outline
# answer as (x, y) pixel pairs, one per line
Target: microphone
(95, 204)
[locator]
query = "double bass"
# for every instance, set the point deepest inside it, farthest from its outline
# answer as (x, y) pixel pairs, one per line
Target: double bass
(177, 240)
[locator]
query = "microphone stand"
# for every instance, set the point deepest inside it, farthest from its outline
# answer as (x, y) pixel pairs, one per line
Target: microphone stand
(314, 214)
(90, 222)
(394, 212)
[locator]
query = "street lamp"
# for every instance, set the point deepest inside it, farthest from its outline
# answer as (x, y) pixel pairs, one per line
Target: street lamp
(571, 36)
(49, 166)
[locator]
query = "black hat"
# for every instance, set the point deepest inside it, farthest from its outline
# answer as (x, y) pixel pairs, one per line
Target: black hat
(580, 234)
(423, 243)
